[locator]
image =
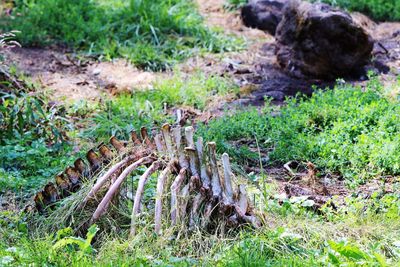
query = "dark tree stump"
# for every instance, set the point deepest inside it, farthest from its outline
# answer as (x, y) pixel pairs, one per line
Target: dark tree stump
(263, 14)
(317, 40)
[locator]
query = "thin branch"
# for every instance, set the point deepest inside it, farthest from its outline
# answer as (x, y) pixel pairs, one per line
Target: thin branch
(139, 193)
(175, 189)
(102, 207)
(160, 189)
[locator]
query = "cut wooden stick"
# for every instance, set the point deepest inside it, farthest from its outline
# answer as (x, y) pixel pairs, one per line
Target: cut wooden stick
(118, 145)
(105, 202)
(228, 191)
(159, 195)
(159, 144)
(175, 189)
(205, 179)
(139, 193)
(194, 212)
(106, 176)
(177, 134)
(167, 138)
(215, 180)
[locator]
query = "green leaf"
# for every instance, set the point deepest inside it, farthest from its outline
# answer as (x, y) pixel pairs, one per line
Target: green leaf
(348, 251)
(333, 259)
(381, 259)
(65, 232)
(91, 233)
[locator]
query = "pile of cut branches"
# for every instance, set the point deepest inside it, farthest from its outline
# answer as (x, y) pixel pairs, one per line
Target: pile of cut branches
(200, 194)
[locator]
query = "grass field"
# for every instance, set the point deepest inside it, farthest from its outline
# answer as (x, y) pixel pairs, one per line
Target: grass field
(152, 34)
(351, 133)
(381, 10)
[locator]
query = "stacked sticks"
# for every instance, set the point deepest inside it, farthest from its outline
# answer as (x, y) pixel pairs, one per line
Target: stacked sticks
(198, 192)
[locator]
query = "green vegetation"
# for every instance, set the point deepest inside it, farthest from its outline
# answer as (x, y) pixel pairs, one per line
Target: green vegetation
(351, 132)
(152, 34)
(36, 140)
(342, 131)
(32, 139)
(235, 4)
(146, 108)
(382, 10)
(377, 9)
(352, 235)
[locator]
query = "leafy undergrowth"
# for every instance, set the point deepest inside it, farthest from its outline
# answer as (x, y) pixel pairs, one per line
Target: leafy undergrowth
(382, 10)
(37, 140)
(351, 235)
(33, 140)
(348, 130)
(152, 34)
(234, 4)
(147, 108)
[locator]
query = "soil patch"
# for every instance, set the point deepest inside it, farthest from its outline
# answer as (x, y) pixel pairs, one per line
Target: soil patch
(72, 78)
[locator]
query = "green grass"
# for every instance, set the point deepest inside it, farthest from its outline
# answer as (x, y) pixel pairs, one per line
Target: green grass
(349, 131)
(383, 10)
(146, 108)
(151, 34)
(33, 139)
(37, 141)
(352, 235)
(235, 4)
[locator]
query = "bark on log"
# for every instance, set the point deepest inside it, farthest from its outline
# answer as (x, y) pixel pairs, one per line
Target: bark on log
(317, 40)
(263, 14)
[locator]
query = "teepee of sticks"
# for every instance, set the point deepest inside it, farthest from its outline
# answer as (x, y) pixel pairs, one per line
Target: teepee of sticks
(196, 189)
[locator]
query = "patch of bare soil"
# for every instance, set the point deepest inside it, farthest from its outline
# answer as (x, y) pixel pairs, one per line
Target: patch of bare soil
(71, 78)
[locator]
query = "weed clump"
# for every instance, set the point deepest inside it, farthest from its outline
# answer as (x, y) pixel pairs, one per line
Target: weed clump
(152, 34)
(347, 130)
(377, 9)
